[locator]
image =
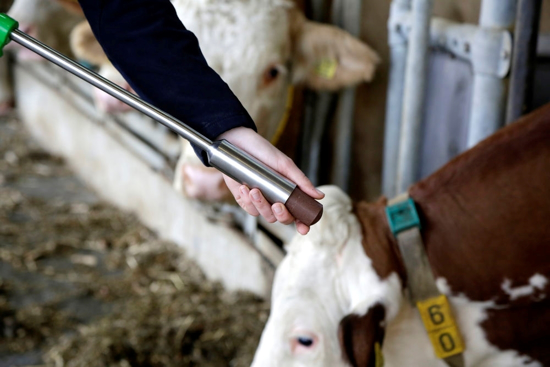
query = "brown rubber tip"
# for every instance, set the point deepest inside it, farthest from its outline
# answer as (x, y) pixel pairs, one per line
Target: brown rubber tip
(304, 208)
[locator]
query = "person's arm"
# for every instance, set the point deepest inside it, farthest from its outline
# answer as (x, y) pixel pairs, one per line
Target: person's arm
(162, 62)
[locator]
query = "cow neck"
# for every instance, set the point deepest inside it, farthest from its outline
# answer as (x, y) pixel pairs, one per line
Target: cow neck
(377, 240)
(485, 214)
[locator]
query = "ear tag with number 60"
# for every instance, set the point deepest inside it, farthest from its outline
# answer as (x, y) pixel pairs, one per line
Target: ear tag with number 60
(441, 326)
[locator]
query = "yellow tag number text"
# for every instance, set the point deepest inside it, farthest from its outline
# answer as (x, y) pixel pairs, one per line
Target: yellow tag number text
(438, 320)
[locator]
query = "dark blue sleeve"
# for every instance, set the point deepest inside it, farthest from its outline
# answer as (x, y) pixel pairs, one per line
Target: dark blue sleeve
(162, 62)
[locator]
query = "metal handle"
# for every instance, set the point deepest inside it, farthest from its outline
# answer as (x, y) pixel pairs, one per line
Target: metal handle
(222, 155)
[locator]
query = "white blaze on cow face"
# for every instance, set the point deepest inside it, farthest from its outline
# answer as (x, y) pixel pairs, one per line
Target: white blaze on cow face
(324, 277)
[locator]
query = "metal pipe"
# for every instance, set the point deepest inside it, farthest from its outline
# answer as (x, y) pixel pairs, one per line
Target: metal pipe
(398, 61)
(414, 94)
(230, 160)
(523, 59)
(489, 91)
(110, 88)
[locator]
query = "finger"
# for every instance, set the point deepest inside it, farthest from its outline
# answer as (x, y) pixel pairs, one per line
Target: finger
(289, 169)
(301, 228)
(282, 214)
(246, 203)
(233, 186)
(262, 205)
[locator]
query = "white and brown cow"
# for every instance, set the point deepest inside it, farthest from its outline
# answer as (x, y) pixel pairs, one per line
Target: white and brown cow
(260, 48)
(486, 231)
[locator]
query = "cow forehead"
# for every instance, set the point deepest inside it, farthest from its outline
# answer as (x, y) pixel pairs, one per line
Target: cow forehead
(237, 34)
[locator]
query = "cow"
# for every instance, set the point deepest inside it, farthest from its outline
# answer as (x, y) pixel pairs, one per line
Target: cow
(260, 48)
(341, 290)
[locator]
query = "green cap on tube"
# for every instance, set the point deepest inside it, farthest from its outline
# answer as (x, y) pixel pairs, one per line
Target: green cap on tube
(7, 25)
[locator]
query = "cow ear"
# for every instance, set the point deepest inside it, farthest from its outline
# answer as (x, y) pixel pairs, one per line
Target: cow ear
(361, 337)
(85, 46)
(328, 58)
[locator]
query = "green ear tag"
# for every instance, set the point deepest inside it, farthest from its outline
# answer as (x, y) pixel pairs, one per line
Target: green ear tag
(378, 356)
(7, 25)
(326, 68)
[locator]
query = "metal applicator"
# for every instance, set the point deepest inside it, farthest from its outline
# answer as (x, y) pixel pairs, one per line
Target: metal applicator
(222, 155)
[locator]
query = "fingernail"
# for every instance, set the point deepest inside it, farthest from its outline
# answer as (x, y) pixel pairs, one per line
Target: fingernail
(278, 208)
(319, 192)
(243, 191)
(255, 196)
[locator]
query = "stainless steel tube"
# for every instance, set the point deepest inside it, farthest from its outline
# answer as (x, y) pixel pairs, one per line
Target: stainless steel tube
(110, 88)
(221, 154)
(237, 164)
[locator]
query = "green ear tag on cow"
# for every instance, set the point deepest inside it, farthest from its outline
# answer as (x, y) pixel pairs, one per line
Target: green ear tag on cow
(378, 356)
(7, 25)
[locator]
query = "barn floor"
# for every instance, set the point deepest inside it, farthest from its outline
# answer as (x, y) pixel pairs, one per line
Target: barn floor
(84, 284)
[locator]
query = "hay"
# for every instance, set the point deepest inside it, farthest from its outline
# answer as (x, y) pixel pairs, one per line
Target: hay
(89, 285)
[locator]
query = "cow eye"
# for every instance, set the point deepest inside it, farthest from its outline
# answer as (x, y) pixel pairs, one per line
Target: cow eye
(306, 342)
(273, 72)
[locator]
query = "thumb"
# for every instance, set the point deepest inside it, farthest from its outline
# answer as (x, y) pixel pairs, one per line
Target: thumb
(289, 169)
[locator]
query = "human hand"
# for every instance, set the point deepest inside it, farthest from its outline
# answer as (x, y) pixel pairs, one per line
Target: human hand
(252, 200)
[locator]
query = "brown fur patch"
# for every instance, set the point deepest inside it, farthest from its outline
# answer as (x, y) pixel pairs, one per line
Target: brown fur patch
(486, 213)
(358, 335)
(378, 242)
(523, 328)
(485, 219)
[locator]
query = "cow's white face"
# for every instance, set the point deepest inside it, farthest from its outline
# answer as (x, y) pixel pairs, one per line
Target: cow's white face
(325, 277)
(307, 306)
(248, 43)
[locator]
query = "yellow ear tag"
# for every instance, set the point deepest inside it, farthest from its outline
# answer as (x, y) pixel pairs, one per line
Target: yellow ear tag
(378, 356)
(441, 326)
(326, 68)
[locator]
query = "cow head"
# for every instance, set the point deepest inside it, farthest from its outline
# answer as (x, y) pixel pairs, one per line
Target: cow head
(329, 304)
(262, 47)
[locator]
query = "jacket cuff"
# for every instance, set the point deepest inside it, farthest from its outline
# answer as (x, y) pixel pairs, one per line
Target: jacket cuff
(214, 129)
